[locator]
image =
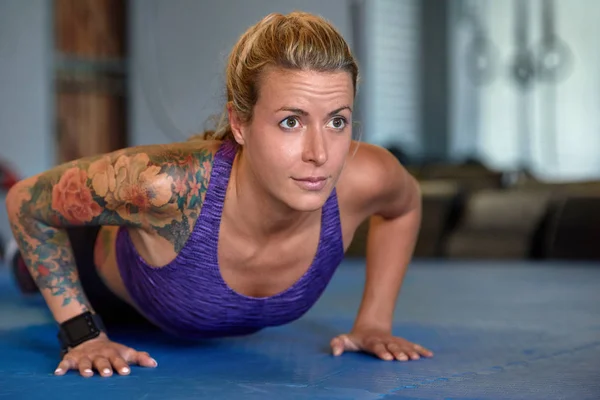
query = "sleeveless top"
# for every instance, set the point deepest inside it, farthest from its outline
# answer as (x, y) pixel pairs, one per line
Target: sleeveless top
(189, 298)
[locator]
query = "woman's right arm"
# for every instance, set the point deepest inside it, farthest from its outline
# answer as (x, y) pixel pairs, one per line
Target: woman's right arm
(148, 188)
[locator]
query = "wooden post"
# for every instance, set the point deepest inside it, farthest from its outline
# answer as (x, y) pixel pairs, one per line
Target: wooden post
(90, 77)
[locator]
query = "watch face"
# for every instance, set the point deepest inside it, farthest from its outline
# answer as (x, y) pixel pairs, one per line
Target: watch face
(80, 328)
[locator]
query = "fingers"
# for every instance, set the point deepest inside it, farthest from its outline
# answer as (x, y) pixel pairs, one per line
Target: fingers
(337, 346)
(342, 343)
(375, 346)
(103, 366)
(142, 359)
(65, 365)
(404, 351)
(423, 351)
(120, 365)
(381, 351)
(398, 352)
(85, 367)
(106, 363)
(385, 347)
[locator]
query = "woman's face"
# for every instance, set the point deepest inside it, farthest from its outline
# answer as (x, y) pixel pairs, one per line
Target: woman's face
(297, 142)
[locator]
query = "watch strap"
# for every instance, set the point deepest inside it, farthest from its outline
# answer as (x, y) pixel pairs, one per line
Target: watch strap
(79, 329)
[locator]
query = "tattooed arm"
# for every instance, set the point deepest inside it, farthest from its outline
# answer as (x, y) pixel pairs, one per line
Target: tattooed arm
(155, 188)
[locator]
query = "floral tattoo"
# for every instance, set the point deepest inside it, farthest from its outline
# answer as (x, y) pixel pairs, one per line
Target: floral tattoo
(160, 190)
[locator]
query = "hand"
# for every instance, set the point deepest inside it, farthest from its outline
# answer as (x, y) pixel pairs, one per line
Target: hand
(104, 356)
(379, 343)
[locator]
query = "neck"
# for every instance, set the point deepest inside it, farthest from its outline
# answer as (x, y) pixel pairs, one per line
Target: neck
(268, 216)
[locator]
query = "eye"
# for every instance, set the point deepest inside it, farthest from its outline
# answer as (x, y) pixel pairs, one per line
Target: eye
(289, 123)
(338, 123)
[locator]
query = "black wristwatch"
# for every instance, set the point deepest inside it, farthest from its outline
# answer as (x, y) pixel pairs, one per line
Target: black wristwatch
(79, 329)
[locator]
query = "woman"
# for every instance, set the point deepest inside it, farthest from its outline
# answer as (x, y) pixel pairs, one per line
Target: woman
(234, 232)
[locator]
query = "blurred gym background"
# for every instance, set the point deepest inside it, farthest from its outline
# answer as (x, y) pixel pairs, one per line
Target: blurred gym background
(491, 104)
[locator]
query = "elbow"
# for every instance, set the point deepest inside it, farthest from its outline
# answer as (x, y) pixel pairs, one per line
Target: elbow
(414, 188)
(417, 194)
(413, 196)
(11, 200)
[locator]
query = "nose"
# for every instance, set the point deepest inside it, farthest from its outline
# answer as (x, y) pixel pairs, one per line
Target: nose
(315, 149)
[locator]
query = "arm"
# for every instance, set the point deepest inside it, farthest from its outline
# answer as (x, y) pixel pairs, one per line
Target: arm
(154, 188)
(142, 187)
(393, 232)
(392, 199)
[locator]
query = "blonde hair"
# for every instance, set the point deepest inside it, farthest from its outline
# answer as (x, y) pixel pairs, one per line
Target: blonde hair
(296, 41)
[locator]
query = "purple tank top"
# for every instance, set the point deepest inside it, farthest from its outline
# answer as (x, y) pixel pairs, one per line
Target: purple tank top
(189, 298)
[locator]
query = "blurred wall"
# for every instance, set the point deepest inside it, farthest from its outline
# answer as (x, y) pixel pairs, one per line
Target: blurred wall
(392, 74)
(550, 128)
(25, 85)
(26, 134)
(178, 57)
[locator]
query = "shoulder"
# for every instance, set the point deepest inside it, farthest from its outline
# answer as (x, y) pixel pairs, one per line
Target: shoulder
(374, 182)
(182, 155)
(148, 186)
(180, 171)
(179, 160)
(158, 188)
(164, 167)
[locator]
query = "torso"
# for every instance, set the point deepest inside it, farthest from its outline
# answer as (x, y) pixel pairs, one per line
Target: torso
(248, 268)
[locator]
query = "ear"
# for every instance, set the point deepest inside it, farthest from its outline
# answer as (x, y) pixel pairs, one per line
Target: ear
(237, 127)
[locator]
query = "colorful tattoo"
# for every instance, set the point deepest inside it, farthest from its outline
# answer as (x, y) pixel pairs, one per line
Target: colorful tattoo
(159, 190)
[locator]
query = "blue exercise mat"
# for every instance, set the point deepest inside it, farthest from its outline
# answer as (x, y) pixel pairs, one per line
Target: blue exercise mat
(498, 330)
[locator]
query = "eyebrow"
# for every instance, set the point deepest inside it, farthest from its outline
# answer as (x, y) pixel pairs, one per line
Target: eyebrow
(305, 113)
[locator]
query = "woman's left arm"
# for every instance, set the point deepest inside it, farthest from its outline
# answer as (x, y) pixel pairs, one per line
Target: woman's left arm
(394, 203)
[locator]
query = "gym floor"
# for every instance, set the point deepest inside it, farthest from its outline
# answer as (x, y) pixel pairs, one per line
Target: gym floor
(499, 330)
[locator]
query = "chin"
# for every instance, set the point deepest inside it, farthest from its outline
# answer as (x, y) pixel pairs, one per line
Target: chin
(308, 201)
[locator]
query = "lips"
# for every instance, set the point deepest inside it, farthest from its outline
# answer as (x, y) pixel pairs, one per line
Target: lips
(311, 179)
(311, 183)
